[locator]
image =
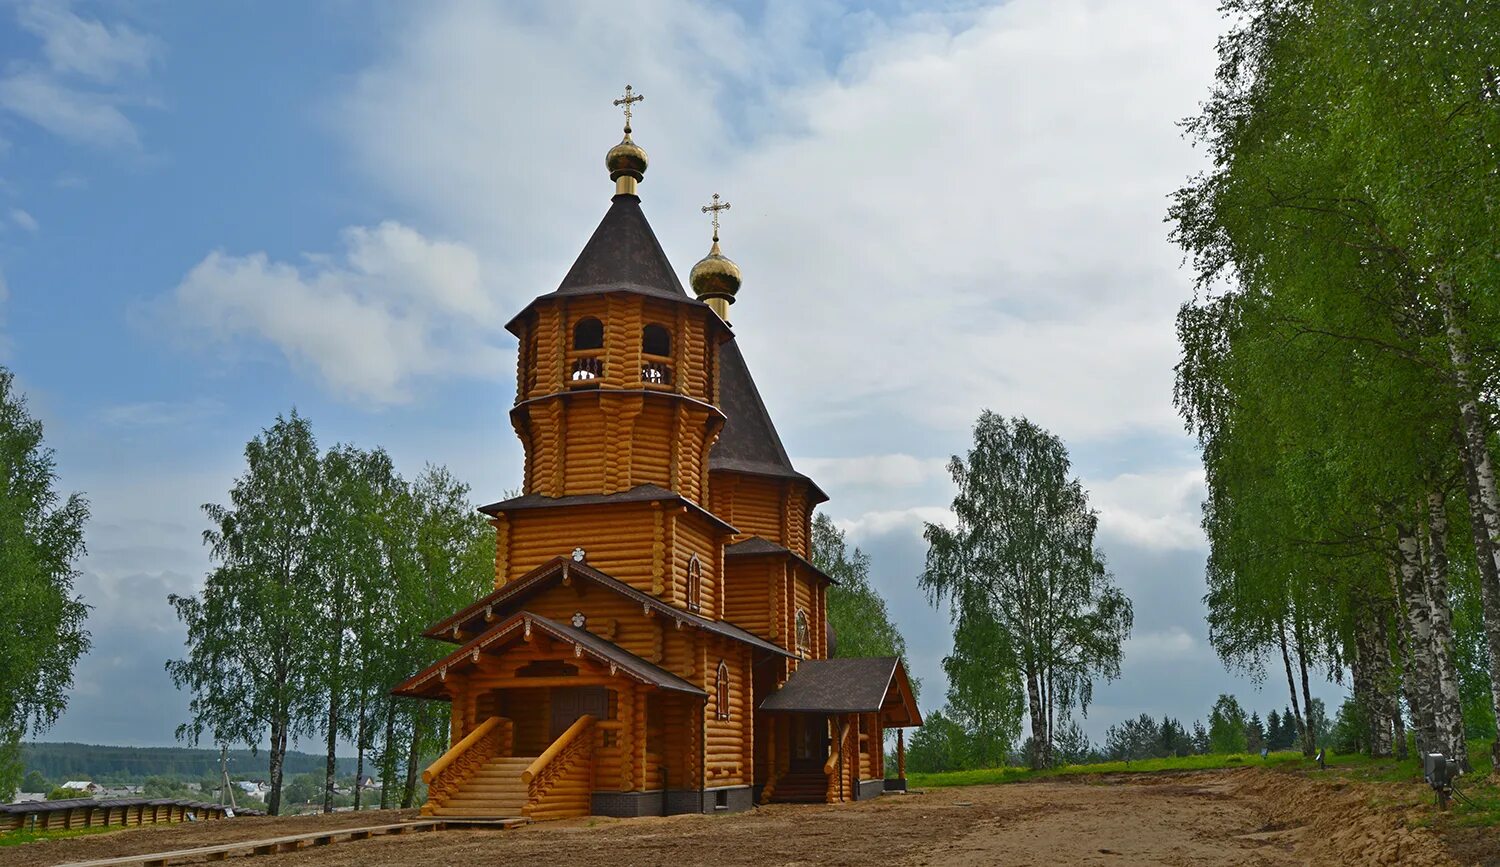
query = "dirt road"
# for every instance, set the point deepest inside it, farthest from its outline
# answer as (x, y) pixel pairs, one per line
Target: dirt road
(1213, 818)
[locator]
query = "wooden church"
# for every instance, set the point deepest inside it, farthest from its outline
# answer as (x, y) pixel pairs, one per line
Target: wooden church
(657, 639)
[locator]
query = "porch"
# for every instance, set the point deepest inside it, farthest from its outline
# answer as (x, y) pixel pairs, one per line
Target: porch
(821, 737)
(549, 721)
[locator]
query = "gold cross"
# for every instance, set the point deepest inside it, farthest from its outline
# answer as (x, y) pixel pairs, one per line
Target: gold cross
(626, 101)
(714, 209)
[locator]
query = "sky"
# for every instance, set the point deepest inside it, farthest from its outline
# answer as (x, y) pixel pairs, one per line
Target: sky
(213, 213)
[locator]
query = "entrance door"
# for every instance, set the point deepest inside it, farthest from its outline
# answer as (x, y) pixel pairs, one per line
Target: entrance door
(809, 742)
(571, 702)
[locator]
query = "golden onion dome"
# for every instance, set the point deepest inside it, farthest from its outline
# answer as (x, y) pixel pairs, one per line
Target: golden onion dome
(715, 275)
(626, 159)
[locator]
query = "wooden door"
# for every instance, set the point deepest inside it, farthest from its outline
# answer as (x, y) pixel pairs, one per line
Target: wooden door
(809, 742)
(571, 702)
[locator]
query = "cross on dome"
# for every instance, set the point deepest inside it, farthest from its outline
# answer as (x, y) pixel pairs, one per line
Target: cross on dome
(714, 208)
(627, 100)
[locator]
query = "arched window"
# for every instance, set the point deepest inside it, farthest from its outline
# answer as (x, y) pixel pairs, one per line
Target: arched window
(804, 633)
(721, 691)
(694, 583)
(656, 340)
(588, 333)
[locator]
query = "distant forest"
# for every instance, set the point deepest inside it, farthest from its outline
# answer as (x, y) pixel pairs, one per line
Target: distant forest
(69, 761)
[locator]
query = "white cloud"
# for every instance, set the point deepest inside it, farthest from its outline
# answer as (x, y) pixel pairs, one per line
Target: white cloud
(874, 471)
(1158, 511)
(1173, 643)
(74, 114)
(86, 75)
(966, 213)
(395, 308)
(87, 47)
(23, 219)
(161, 413)
(880, 523)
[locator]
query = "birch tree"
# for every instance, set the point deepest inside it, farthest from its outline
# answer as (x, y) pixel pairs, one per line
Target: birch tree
(42, 631)
(1022, 557)
(251, 661)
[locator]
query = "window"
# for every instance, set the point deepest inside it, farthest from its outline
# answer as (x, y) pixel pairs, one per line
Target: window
(588, 334)
(721, 691)
(656, 340)
(694, 583)
(804, 633)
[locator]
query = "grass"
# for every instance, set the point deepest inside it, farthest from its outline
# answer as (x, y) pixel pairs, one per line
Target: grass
(990, 776)
(16, 838)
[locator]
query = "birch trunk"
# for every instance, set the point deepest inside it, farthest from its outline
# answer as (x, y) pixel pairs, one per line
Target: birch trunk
(1489, 588)
(388, 755)
(1038, 720)
(359, 762)
(278, 760)
(1361, 668)
(1419, 671)
(414, 755)
(1449, 715)
(1309, 734)
(1390, 733)
(1291, 682)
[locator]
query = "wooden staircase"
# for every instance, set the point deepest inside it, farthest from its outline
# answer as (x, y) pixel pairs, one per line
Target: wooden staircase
(801, 787)
(492, 791)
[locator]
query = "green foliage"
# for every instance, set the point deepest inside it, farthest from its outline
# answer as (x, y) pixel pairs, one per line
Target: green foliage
(58, 760)
(329, 566)
(861, 622)
(62, 794)
(41, 619)
(941, 744)
(1033, 607)
(35, 782)
(1226, 727)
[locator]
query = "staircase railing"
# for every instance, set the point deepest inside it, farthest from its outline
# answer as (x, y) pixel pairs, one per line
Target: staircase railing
(561, 780)
(453, 768)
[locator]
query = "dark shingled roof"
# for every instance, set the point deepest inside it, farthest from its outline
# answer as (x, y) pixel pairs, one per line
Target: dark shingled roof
(838, 686)
(475, 616)
(622, 255)
(637, 494)
(756, 546)
(749, 442)
(514, 627)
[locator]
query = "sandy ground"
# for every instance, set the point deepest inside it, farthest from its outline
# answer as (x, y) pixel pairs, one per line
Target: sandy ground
(1212, 818)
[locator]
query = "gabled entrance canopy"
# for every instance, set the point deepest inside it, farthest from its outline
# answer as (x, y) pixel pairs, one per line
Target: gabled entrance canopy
(522, 626)
(849, 686)
(489, 609)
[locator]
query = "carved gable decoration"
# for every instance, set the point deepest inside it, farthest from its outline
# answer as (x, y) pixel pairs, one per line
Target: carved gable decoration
(547, 668)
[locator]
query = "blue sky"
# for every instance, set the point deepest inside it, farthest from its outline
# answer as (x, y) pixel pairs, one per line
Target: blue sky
(211, 213)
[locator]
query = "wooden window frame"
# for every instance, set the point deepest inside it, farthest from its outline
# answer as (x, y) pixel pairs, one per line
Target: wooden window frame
(721, 691)
(695, 583)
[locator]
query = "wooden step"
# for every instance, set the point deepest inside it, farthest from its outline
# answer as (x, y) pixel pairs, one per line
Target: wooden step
(488, 811)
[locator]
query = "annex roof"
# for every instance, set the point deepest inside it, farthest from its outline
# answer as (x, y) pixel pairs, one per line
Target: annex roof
(638, 494)
(757, 546)
(749, 442)
(475, 617)
(839, 686)
(520, 626)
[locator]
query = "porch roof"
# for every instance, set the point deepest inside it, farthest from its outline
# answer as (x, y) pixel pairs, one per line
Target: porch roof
(476, 616)
(519, 626)
(840, 686)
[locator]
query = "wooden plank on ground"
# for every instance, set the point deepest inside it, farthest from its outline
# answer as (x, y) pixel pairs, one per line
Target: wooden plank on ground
(262, 847)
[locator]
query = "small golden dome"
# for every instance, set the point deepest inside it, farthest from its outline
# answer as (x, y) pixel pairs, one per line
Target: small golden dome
(626, 159)
(715, 275)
